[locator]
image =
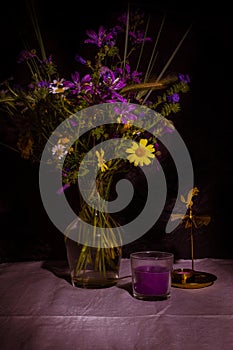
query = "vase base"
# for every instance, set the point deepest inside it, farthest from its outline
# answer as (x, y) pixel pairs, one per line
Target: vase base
(95, 280)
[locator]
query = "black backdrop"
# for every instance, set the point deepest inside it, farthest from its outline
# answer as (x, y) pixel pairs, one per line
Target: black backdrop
(204, 122)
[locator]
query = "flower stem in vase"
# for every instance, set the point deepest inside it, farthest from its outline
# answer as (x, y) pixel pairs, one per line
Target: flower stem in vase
(93, 256)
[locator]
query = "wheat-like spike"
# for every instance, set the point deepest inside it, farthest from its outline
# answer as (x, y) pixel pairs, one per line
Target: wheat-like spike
(150, 85)
(142, 86)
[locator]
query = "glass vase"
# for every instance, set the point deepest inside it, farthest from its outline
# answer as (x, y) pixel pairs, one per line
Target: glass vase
(96, 265)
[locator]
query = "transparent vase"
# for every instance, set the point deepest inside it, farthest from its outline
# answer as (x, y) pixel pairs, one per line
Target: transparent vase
(93, 265)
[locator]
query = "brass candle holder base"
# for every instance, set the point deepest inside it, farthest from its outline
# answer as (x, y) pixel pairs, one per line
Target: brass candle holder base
(191, 279)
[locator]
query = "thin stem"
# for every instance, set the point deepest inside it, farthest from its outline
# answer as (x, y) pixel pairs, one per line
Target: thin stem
(150, 66)
(168, 62)
(37, 30)
(126, 37)
(142, 47)
(9, 147)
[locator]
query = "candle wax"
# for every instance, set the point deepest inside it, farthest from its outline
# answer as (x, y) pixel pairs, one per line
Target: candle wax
(151, 280)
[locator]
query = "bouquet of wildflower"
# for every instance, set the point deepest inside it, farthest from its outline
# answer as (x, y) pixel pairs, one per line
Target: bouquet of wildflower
(37, 106)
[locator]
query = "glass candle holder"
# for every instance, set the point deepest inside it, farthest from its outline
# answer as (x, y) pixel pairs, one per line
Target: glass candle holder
(151, 274)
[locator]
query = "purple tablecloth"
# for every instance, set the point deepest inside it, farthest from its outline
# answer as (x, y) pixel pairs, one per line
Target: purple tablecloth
(39, 309)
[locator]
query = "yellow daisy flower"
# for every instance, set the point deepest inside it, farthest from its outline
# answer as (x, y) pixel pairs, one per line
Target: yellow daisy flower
(140, 153)
(101, 161)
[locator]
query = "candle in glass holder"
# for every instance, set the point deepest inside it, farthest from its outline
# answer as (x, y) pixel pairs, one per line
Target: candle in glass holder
(151, 275)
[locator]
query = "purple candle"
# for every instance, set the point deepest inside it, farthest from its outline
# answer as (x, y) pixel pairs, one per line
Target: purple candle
(151, 280)
(151, 274)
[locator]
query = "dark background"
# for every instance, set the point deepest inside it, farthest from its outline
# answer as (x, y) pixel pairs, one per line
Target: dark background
(26, 232)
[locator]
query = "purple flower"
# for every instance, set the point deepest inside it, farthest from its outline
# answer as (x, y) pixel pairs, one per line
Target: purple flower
(109, 79)
(136, 76)
(138, 37)
(124, 112)
(77, 85)
(108, 86)
(62, 189)
(116, 30)
(164, 126)
(31, 86)
(48, 60)
(100, 38)
(128, 76)
(42, 84)
(79, 59)
(122, 18)
(173, 98)
(25, 55)
(73, 123)
(115, 97)
(184, 78)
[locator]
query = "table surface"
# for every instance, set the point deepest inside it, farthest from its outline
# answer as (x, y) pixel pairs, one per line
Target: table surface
(39, 309)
